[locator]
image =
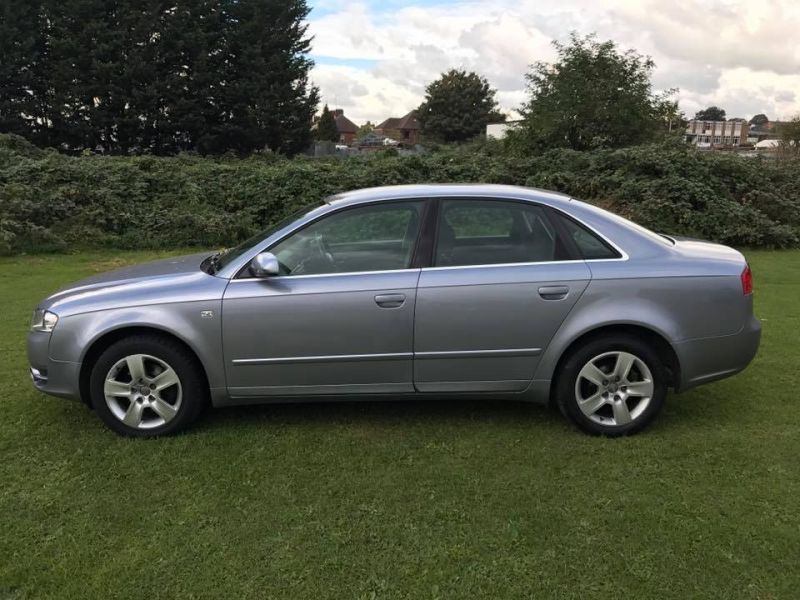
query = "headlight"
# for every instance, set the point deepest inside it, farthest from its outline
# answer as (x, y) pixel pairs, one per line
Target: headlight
(43, 320)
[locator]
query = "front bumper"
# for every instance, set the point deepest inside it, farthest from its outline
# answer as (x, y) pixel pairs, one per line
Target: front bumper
(55, 377)
(705, 360)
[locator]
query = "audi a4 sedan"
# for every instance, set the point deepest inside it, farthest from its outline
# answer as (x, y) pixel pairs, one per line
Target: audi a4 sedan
(423, 291)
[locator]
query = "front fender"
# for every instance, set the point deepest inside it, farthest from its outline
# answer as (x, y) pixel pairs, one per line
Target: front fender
(75, 334)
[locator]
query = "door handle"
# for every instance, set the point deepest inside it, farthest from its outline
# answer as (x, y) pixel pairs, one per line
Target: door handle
(390, 300)
(553, 292)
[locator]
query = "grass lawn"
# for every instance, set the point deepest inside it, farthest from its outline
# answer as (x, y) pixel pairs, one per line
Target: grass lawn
(393, 500)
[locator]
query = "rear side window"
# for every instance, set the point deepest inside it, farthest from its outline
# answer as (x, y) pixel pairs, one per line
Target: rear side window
(589, 244)
(485, 232)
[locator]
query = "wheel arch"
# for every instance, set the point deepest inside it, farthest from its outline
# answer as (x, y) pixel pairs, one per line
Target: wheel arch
(103, 341)
(657, 340)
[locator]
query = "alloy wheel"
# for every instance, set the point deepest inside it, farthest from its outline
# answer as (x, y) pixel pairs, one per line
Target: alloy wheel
(614, 388)
(143, 391)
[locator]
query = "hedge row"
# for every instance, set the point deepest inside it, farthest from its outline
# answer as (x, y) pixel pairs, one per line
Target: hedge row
(49, 201)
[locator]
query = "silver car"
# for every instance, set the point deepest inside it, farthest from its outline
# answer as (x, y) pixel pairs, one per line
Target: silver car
(415, 292)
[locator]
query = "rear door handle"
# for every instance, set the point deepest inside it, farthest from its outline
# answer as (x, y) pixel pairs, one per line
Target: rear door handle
(553, 292)
(390, 300)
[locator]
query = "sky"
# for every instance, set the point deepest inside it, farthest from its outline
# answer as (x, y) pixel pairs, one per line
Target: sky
(375, 57)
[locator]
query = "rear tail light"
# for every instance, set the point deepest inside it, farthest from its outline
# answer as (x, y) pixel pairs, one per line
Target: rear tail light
(747, 280)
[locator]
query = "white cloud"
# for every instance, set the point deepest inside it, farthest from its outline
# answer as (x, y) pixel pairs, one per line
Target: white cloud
(737, 54)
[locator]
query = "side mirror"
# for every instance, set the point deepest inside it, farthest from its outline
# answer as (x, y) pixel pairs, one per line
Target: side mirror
(264, 265)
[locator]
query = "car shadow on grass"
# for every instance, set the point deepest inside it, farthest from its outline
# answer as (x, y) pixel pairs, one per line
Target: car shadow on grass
(383, 413)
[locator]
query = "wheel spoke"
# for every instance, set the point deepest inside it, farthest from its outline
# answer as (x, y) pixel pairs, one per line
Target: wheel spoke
(624, 363)
(133, 416)
(622, 416)
(164, 409)
(136, 366)
(591, 373)
(640, 388)
(592, 404)
(116, 388)
(165, 379)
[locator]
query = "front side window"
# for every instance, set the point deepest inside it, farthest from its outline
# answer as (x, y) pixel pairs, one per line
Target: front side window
(484, 232)
(379, 237)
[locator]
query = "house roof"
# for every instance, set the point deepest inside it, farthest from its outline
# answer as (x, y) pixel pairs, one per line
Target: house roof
(408, 121)
(390, 123)
(345, 125)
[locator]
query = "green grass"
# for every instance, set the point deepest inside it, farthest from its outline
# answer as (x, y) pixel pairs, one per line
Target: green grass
(415, 500)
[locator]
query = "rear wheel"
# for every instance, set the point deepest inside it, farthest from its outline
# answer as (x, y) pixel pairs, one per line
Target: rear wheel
(612, 386)
(147, 385)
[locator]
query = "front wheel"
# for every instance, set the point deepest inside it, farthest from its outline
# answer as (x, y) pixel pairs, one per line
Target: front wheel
(147, 385)
(612, 386)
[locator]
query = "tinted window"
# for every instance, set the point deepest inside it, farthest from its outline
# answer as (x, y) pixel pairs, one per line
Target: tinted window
(481, 232)
(589, 244)
(371, 238)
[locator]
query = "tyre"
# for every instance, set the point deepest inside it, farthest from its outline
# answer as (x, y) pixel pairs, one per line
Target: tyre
(147, 385)
(612, 386)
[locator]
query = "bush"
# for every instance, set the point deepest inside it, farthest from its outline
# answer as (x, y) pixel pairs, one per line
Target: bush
(50, 201)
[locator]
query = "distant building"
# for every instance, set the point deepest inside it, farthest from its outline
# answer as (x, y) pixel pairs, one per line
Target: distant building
(713, 134)
(346, 128)
(403, 129)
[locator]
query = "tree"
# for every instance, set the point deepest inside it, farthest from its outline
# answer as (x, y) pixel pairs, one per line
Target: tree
(365, 130)
(712, 113)
(457, 107)
(326, 126)
(131, 77)
(593, 96)
(790, 134)
(759, 120)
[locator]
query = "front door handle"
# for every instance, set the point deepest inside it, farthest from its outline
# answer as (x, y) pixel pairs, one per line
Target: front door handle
(390, 300)
(553, 292)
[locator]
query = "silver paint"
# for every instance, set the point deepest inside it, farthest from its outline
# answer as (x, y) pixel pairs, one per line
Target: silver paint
(496, 330)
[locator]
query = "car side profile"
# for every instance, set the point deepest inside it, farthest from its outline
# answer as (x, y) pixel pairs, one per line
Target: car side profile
(416, 291)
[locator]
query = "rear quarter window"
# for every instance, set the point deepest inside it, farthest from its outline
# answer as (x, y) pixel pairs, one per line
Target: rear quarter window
(589, 244)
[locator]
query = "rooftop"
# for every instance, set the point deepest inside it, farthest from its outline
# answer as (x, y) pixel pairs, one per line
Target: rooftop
(433, 190)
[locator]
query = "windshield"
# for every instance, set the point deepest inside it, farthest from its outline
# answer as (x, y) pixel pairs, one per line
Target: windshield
(225, 257)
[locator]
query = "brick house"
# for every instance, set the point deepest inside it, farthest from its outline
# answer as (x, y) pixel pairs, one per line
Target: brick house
(346, 128)
(403, 129)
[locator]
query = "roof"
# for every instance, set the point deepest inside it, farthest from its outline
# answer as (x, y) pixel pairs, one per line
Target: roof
(431, 190)
(408, 121)
(345, 125)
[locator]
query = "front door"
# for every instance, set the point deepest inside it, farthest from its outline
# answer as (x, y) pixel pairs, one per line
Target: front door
(339, 319)
(499, 288)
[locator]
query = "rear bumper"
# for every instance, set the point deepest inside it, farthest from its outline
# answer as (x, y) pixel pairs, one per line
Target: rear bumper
(53, 377)
(708, 359)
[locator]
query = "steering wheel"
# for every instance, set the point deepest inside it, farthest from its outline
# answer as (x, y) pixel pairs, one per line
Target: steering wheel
(325, 249)
(318, 250)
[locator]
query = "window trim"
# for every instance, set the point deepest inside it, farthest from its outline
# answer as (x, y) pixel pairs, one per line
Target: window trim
(243, 273)
(424, 261)
(572, 251)
(573, 244)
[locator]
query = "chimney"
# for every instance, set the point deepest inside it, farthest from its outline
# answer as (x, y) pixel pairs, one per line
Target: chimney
(338, 112)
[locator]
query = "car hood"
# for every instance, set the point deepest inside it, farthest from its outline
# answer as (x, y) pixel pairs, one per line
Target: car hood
(172, 279)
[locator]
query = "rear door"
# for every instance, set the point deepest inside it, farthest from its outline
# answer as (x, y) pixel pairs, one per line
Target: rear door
(500, 285)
